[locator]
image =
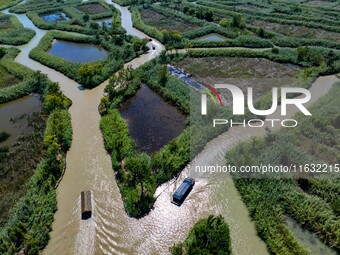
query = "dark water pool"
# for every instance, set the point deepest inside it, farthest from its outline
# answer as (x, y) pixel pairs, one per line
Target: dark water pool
(77, 52)
(152, 121)
(13, 117)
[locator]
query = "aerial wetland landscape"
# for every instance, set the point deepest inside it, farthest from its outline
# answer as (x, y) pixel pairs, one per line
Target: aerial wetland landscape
(120, 118)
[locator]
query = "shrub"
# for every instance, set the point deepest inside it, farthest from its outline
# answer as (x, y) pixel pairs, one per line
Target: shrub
(4, 136)
(33, 82)
(208, 236)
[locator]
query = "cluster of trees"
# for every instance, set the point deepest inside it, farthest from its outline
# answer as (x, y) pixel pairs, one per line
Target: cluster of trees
(210, 29)
(208, 236)
(31, 218)
(200, 13)
(139, 174)
(31, 81)
(16, 34)
(305, 54)
(89, 75)
(171, 37)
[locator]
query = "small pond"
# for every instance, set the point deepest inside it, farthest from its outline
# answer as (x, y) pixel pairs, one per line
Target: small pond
(77, 52)
(13, 116)
(152, 121)
(53, 17)
(211, 37)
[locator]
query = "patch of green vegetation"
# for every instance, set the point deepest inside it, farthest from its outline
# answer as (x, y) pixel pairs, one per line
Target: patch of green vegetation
(92, 74)
(80, 22)
(160, 21)
(30, 219)
(208, 236)
(38, 5)
(309, 201)
(13, 32)
(30, 81)
(7, 79)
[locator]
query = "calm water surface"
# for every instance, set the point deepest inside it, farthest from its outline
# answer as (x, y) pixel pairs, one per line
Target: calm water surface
(13, 117)
(211, 37)
(77, 52)
(152, 121)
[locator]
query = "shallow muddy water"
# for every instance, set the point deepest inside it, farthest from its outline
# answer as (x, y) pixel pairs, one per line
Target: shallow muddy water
(13, 116)
(77, 52)
(152, 122)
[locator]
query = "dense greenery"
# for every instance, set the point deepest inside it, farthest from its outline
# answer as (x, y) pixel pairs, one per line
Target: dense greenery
(8, 3)
(309, 201)
(139, 174)
(92, 74)
(31, 81)
(79, 21)
(13, 32)
(315, 59)
(138, 195)
(208, 236)
(30, 220)
(35, 5)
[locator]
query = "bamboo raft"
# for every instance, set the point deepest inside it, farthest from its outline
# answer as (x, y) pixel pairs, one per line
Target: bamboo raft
(86, 204)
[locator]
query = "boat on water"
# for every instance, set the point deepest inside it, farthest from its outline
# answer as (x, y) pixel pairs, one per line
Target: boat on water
(183, 191)
(86, 204)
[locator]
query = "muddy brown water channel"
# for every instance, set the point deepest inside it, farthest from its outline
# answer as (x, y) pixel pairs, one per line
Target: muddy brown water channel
(152, 122)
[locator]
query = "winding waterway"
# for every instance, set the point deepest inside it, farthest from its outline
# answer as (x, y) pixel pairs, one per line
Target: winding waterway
(110, 230)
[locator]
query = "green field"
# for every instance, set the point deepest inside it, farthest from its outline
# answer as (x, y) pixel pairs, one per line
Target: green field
(160, 21)
(7, 79)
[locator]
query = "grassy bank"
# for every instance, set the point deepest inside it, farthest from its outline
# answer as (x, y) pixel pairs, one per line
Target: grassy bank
(91, 74)
(30, 219)
(208, 236)
(12, 32)
(309, 201)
